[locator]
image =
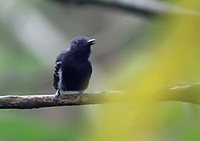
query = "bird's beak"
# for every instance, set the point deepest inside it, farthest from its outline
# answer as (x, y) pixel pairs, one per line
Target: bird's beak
(91, 41)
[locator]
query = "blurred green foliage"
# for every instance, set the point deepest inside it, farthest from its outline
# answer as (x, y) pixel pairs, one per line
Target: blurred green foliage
(17, 128)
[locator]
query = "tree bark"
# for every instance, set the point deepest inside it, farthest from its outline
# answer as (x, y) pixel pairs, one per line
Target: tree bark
(188, 93)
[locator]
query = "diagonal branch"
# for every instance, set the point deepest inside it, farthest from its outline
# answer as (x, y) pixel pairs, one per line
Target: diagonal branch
(189, 93)
(113, 5)
(147, 9)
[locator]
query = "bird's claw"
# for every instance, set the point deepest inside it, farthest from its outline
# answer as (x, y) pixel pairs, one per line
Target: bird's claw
(57, 94)
(81, 93)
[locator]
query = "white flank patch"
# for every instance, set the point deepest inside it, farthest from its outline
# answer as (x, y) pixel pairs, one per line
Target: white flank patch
(60, 78)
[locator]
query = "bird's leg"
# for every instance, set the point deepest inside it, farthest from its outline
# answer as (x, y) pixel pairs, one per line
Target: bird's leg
(81, 93)
(57, 94)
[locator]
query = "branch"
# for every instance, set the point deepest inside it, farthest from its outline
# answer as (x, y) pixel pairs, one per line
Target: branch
(141, 11)
(40, 101)
(147, 9)
(189, 93)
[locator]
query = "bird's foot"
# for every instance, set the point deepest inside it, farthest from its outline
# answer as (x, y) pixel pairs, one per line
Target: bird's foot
(81, 93)
(57, 94)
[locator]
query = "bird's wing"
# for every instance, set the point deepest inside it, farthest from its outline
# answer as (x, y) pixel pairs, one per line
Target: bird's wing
(57, 70)
(87, 75)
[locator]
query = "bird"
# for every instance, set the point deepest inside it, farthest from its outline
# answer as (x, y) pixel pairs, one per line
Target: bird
(73, 70)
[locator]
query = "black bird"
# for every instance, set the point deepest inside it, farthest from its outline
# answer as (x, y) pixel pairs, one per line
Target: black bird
(72, 68)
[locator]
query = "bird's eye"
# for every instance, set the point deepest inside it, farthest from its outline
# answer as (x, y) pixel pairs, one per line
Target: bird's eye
(75, 42)
(79, 43)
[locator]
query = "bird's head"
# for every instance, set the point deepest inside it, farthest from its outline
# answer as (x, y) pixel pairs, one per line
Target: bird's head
(80, 47)
(81, 44)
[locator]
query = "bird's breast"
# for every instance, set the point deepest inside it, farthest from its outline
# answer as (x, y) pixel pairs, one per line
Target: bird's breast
(76, 74)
